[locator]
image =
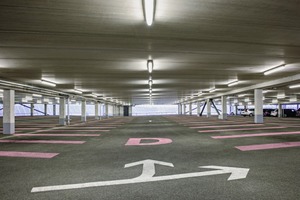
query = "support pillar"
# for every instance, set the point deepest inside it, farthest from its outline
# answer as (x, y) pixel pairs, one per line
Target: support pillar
(279, 113)
(106, 110)
(223, 115)
(198, 108)
(83, 110)
(208, 108)
(130, 110)
(96, 110)
(31, 109)
(258, 103)
(62, 111)
(236, 109)
(8, 112)
(54, 109)
(184, 109)
(179, 109)
(190, 109)
(45, 109)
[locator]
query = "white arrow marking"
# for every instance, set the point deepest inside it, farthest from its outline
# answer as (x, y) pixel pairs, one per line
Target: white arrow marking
(148, 167)
(236, 173)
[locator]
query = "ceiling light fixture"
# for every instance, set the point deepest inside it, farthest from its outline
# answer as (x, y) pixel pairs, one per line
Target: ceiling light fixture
(150, 66)
(233, 83)
(77, 91)
(275, 69)
(241, 95)
(149, 11)
(213, 90)
(49, 83)
(294, 86)
(37, 95)
(150, 90)
(150, 83)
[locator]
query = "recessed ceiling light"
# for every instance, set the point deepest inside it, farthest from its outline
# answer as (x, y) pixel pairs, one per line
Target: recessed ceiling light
(150, 83)
(275, 69)
(150, 66)
(149, 11)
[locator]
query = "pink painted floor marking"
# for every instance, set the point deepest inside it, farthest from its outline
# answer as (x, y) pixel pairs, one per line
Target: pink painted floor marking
(240, 129)
(138, 141)
(27, 154)
(60, 135)
(268, 146)
(255, 135)
(70, 130)
(42, 141)
(235, 125)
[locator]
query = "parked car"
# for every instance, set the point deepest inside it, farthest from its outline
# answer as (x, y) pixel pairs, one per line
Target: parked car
(248, 112)
(274, 113)
(298, 113)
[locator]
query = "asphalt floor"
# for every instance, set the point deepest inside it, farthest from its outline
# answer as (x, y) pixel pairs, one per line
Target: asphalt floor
(190, 142)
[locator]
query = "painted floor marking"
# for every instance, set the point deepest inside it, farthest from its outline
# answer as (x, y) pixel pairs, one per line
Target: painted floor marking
(138, 141)
(147, 175)
(42, 141)
(27, 154)
(236, 125)
(70, 130)
(255, 135)
(59, 135)
(268, 146)
(240, 129)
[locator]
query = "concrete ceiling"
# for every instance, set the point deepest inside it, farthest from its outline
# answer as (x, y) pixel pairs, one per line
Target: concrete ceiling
(102, 46)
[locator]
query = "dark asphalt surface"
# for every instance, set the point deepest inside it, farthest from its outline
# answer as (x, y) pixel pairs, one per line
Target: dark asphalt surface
(274, 174)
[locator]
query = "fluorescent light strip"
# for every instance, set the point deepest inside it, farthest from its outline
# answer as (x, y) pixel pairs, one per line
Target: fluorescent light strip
(150, 66)
(294, 86)
(77, 91)
(150, 83)
(37, 95)
(233, 83)
(275, 69)
(49, 83)
(149, 11)
(213, 90)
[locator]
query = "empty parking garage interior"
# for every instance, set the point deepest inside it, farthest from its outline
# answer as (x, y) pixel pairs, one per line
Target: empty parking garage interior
(149, 99)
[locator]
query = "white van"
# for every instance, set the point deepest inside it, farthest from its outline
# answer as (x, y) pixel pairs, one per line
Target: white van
(274, 113)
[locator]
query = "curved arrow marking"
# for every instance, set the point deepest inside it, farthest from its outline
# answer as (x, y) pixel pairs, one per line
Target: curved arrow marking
(147, 176)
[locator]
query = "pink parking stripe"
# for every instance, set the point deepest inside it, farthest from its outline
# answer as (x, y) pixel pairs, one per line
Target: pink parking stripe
(255, 135)
(268, 146)
(240, 129)
(27, 154)
(70, 130)
(199, 127)
(42, 141)
(60, 135)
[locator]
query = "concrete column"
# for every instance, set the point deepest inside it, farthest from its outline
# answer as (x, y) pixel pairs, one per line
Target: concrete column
(130, 110)
(179, 109)
(31, 109)
(83, 110)
(54, 109)
(223, 115)
(68, 111)
(184, 109)
(62, 111)
(258, 103)
(8, 112)
(96, 110)
(279, 113)
(190, 109)
(198, 108)
(45, 109)
(208, 108)
(106, 110)
(100, 111)
(236, 109)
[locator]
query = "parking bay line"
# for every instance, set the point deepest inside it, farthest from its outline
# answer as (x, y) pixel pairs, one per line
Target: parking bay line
(254, 135)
